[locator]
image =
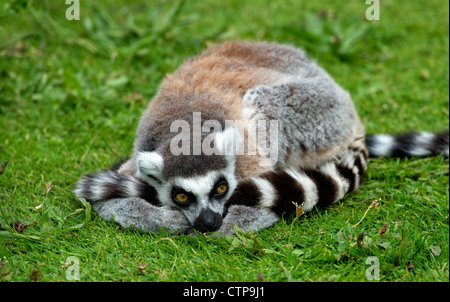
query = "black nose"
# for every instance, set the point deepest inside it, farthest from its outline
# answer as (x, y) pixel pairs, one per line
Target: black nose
(208, 221)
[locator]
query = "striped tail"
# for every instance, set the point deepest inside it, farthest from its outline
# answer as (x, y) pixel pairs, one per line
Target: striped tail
(111, 184)
(408, 145)
(281, 190)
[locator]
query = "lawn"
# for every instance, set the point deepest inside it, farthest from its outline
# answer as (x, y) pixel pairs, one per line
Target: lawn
(72, 92)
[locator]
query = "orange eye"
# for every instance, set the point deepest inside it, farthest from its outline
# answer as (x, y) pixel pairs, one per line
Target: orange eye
(181, 197)
(221, 189)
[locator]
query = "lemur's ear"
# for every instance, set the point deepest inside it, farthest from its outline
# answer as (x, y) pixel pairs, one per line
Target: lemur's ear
(228, 141)
(150, 166)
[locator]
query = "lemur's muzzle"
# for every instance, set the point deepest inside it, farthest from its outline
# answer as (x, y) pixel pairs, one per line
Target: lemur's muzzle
(208, 221)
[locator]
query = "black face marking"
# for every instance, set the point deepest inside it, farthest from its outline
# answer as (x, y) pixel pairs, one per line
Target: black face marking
(176, 190)
(214, 194)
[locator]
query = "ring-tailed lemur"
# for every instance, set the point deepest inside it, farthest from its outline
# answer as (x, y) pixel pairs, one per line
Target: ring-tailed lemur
(196, 178)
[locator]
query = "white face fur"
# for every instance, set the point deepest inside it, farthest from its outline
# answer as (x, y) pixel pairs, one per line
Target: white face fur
(200, 198)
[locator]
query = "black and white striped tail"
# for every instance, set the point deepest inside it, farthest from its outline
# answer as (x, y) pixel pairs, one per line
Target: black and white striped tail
(110, 184)
(281, 190)
(408, 145)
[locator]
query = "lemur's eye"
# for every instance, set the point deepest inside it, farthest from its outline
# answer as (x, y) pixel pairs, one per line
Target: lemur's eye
(221, 189)
(182, 198)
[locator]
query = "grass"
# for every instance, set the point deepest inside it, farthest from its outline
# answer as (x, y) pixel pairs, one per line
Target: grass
(71, 94)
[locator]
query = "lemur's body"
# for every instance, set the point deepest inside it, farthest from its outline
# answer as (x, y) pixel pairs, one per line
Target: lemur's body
(321, 150)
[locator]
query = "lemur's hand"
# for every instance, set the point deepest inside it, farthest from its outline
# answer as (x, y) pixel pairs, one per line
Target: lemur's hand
(247, 219)
(136, 213)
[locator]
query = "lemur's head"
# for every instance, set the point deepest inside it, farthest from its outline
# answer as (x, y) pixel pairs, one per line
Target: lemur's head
(198, 185)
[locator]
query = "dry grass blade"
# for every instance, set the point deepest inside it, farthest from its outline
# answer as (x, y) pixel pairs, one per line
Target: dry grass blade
(3, 166)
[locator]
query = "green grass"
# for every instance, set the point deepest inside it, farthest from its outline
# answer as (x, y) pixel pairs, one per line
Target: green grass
(71, 94)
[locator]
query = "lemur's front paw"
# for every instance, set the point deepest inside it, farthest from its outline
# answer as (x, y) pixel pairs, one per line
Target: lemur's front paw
(137, 213)
(247, 219)
(227, 229)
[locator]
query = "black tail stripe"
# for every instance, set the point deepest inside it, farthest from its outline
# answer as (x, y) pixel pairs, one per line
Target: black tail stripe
(86, 192)
(360, 166)
(405, 144)
(349, 175)
(365, 154)
(148, 193)
(288, 191)
(327, 188)
(361, 151)
(440, 143)
(114, 185)
(113, 190)
(246, 193)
